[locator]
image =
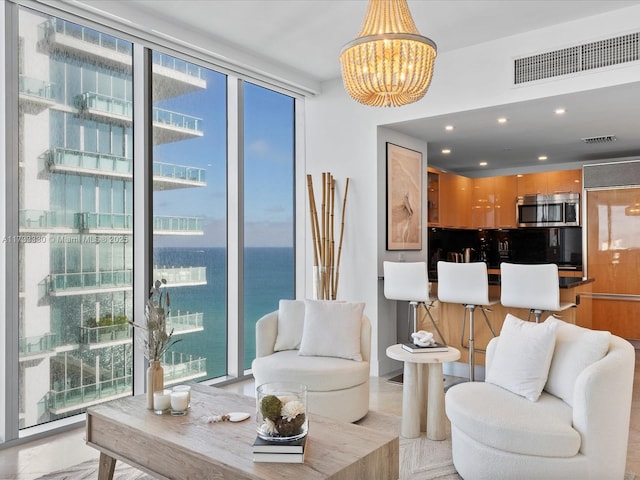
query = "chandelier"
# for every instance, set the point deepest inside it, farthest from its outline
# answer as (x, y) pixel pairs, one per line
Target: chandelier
(389, 63)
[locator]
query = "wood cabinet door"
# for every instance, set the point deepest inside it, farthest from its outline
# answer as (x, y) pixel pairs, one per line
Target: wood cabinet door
(506, 193)
(532, 184)
(433, 198)
(564, 181)
(482, 203)
(463, 193)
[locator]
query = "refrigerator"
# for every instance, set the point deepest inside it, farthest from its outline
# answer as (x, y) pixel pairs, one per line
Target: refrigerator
(613, 259)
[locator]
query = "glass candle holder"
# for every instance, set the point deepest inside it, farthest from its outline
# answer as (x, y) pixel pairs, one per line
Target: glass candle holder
(184, 388)
(281, 411)
(179, 403)
(161, 401)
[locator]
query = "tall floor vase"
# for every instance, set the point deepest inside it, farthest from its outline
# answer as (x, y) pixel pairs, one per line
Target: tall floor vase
(155, 380)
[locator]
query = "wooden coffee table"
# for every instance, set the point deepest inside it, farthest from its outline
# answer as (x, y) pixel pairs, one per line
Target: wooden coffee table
(187, 447)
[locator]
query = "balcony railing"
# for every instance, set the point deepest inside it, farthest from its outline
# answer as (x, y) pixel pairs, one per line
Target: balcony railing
(42, 219)
(77, 159)
(105, 221)
(37, 345)
(185, 321)
(79, 397)
(90, 280)
(177, 120)
(181, 275)
(178, 172)
(177, 65)
(177, 224)
(35, 87)
(58, 26)
(106, 334)
(181, 366)
(105, 103)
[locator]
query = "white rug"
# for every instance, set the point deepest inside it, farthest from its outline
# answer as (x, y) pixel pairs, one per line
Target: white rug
(420, 459)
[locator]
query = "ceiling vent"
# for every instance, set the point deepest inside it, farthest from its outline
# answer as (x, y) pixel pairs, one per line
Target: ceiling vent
(601, 139)
(604, 53)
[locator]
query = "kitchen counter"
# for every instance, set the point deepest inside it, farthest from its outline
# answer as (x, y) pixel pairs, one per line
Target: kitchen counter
(564, 282)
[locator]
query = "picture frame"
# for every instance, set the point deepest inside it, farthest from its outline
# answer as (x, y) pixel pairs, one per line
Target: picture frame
(404, 198)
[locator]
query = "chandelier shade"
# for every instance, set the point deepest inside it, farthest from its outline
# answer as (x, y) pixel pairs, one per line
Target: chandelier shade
(389, 63)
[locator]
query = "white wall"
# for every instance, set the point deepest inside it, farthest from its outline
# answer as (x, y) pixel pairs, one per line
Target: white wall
(344, 137)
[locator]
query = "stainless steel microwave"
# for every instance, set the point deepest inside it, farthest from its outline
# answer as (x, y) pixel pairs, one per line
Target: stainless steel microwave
(557, 210)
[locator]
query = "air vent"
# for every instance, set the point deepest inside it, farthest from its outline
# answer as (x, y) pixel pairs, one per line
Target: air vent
(604, 53)
(601, 139)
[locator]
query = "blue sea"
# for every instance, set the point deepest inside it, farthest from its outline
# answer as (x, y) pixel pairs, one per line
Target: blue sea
(268, 277)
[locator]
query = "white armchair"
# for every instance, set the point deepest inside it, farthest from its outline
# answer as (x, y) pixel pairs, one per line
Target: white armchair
(580, 431)
(336, 387)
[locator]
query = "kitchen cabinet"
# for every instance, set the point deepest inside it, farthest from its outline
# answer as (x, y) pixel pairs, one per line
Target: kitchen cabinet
(433, 197)
(456, 193)
(482, 203)
(506, 193)
(546, 183)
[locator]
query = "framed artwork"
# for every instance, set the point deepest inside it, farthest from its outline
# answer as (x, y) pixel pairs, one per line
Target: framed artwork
(404, 198)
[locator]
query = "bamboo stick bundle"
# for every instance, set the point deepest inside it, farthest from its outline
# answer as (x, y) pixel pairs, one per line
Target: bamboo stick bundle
(314, 220)
(344, 208)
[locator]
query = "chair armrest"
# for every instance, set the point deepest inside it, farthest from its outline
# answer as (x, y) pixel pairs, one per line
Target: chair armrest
(266, 333)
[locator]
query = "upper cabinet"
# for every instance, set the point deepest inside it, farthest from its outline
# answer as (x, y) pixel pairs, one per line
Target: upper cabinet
(448, 199)
(547, 183)
(506, 193)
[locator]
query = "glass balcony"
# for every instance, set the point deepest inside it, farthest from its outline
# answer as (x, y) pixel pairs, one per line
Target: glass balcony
(106, 334)
(85, 282)
(180, 173)
(180, 367)
(35, 95)
(39, 219)
(68, 399)
(171, 126)
(178, 276)
(105, 106)
(173, 77)
(177, 65)
(177, 225)
(103, 221)
(66, 159)
(37, 345)
(185, 322)
(61, 34)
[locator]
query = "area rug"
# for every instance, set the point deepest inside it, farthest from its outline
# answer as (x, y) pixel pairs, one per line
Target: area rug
(420, 459)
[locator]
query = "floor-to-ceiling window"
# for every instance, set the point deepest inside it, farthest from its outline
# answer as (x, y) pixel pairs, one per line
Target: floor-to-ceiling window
(74, 200)
(190, 213)
(268, 206)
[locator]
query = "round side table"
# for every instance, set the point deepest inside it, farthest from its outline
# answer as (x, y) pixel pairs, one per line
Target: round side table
(418, 414)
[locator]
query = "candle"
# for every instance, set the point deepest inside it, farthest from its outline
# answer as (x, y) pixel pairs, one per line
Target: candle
(161, 401)
(179, 402)
(184, 388)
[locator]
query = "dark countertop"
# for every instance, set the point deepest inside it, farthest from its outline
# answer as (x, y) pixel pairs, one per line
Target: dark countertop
(564, 282)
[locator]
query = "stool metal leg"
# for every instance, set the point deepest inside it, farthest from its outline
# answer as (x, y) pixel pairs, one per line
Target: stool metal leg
(471, 341)
(433, 322)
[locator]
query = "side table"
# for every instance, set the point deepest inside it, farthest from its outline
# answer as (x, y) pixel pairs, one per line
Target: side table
(418, 414)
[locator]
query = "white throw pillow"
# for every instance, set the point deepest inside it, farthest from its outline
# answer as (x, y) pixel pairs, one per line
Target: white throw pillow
(522, 357)
(332, 329)
(290, 322)
(576, 349)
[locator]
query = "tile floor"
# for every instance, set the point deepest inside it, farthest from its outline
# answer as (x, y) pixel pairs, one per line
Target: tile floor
(34, 459)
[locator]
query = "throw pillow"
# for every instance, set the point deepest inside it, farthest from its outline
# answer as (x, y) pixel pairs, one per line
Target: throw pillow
(290, 322)
(576, 349)
(332, 329)
(522, 357)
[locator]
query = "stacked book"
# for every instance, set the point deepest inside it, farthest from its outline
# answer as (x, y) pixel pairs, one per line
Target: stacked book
(279, 452)
(436, 347)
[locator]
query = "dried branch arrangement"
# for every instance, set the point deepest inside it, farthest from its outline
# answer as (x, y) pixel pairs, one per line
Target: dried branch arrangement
(326, 264)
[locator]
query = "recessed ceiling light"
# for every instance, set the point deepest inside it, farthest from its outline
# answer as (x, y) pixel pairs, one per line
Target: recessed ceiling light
(446, 151)
(560, 111)
(519, 175)
(502, 120)
(483, 164)
(448, 128)
(542, 157)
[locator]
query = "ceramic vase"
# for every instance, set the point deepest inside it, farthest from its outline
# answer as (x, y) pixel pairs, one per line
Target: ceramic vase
(155, 381)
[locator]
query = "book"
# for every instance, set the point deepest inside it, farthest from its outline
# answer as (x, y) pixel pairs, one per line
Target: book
(437, 347)
(260, 445)
(279, 457)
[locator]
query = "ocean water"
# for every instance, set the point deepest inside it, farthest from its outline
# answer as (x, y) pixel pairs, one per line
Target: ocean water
(268, 277)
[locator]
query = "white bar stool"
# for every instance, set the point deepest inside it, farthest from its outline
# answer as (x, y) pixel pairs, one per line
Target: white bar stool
(466, 284)
(535, 287)
(409, 281)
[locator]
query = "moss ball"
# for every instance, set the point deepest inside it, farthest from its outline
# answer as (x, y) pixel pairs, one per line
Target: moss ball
(270, 407)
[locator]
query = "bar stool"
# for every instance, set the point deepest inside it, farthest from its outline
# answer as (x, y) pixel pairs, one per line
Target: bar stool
(466, 284)
(535, 287)
(409, 281)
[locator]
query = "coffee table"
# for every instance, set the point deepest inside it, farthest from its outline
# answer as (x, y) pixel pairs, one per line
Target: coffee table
(187, 447)
(422, 399)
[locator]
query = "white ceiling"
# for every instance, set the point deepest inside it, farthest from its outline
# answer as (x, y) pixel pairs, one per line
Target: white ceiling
(306, 36)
